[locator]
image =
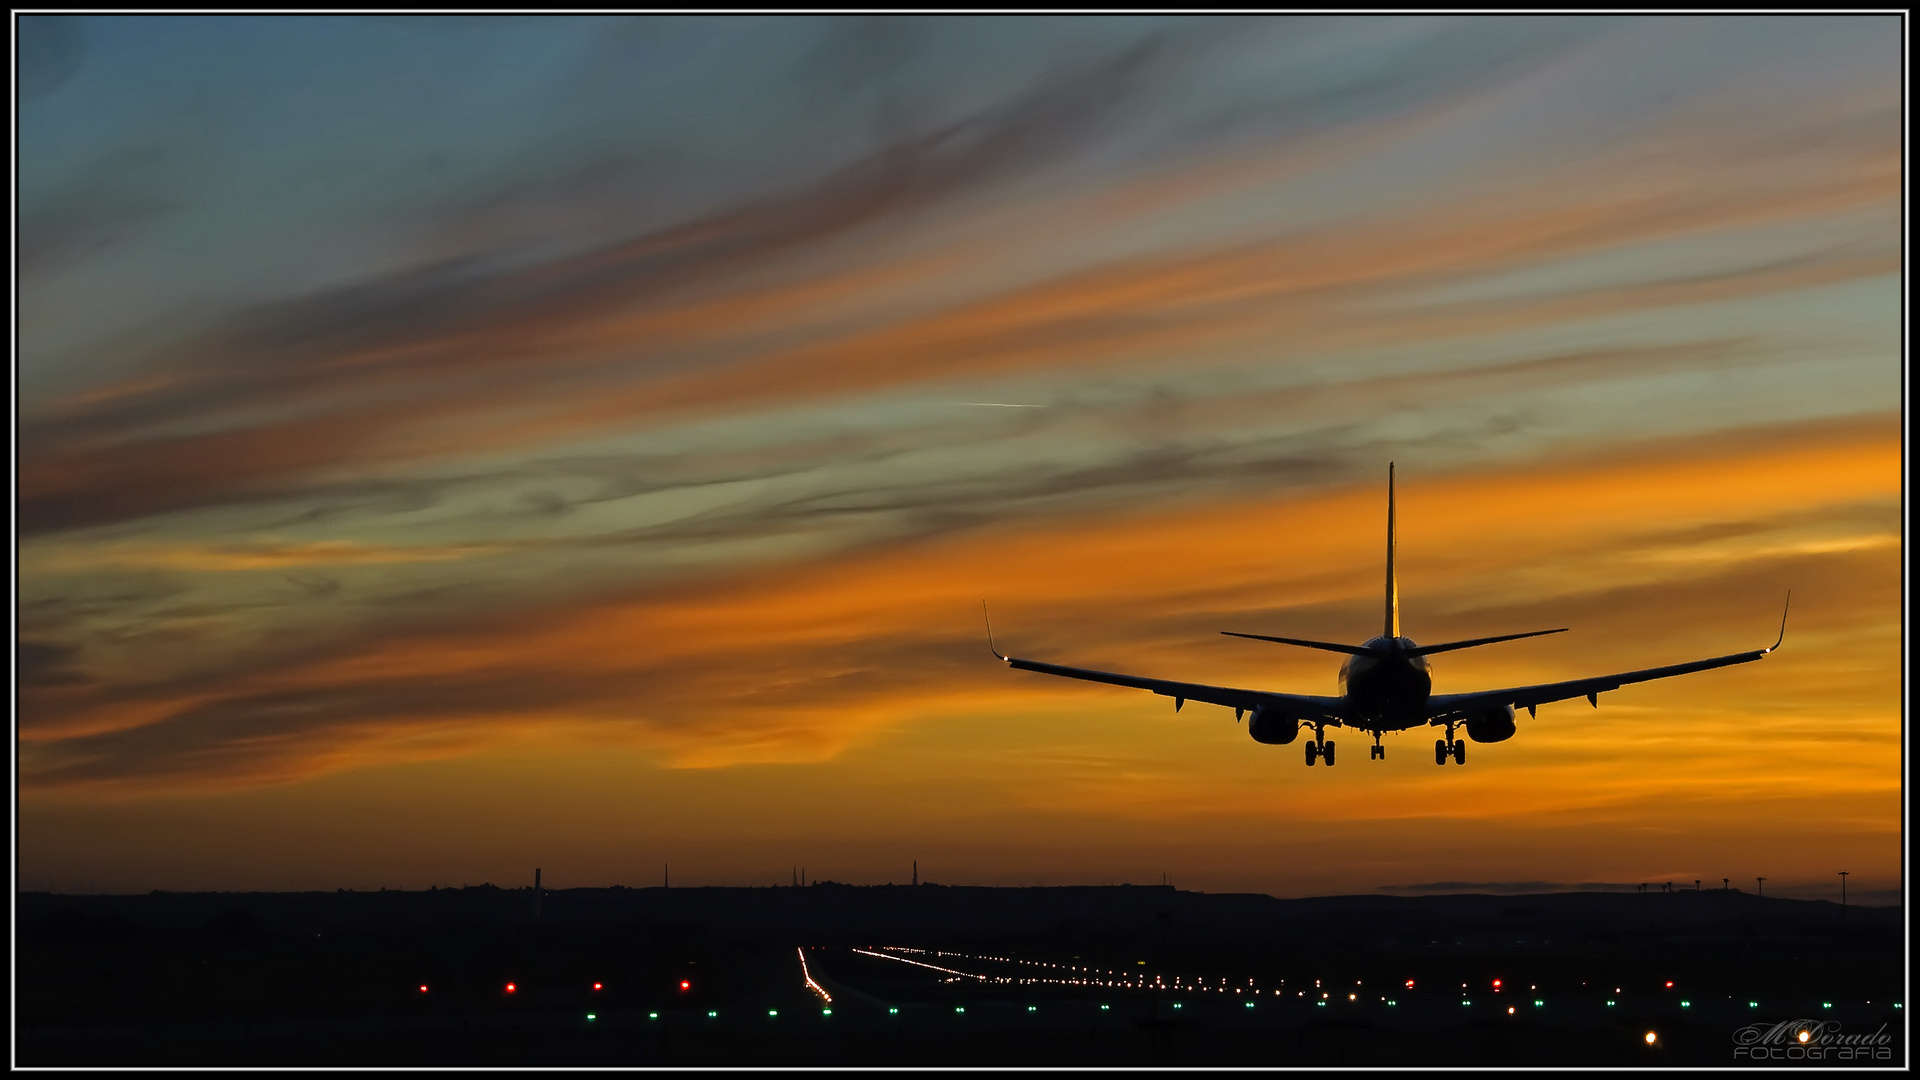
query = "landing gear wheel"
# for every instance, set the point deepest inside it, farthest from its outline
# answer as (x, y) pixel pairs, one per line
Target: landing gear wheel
(1312, 750)
(1460, 752)
(1439, 751)
(1328, 753)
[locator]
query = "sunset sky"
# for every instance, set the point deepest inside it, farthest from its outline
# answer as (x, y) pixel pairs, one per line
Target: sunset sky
(454, 445)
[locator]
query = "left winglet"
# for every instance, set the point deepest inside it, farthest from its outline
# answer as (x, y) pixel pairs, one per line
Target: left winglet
(983, 615)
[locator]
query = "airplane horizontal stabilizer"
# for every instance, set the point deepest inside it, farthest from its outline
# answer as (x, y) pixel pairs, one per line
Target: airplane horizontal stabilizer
(1449, 646)
(1330, 646)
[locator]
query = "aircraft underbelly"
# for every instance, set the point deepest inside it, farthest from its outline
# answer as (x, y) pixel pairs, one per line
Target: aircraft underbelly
(1389, 696)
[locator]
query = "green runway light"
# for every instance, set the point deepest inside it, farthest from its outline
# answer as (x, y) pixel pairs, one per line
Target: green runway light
(1249, 1004)
(1537, 1003)
(1033, 1008)
(1464, 1001)
(826, 1012)
(653, 1016)
(959, 1008)
(1103, 1008)
(1393, 1003)
(1609, 1004)
(773, 1012)
(590, 1016)
(893, 1012)
(711, 1015)
(1686, 1004)
(1753, 1004)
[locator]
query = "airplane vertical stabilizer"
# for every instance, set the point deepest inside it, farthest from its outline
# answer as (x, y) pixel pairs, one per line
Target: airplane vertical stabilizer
(1393, 585)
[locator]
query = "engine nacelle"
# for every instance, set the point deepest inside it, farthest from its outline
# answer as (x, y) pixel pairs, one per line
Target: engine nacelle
(1494, 725)
(1272, 728)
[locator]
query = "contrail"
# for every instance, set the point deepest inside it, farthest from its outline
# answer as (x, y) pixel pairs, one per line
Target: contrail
(999, 405)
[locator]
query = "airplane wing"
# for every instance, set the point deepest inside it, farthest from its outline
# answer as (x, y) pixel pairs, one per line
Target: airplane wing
(1444, 707)
(1299, 706)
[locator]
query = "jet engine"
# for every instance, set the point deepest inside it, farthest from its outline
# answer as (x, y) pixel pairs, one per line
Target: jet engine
(1493, 725)
(1272, 728)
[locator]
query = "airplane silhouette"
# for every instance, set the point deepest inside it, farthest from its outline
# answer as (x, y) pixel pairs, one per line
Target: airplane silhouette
(1386, 685)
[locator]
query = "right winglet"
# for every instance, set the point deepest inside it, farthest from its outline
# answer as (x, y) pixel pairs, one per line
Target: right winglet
(1783, 623)
(983, 615)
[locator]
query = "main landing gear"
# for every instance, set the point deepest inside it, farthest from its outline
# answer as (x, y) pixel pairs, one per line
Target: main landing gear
(1449, 747)
(1320, 747)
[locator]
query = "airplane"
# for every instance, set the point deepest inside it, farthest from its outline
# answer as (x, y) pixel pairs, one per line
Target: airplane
(1386, 685)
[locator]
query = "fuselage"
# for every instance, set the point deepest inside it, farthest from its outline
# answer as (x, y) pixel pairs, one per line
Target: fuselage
(1388, 692)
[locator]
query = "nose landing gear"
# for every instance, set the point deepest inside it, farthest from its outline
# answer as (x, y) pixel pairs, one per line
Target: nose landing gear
(1376, 752)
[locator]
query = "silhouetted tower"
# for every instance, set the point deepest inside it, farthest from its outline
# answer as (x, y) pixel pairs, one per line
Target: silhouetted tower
(666, 882)
(796, 877)
(536, 894)
(1760, 884)
(916, 871)
(1843, 890)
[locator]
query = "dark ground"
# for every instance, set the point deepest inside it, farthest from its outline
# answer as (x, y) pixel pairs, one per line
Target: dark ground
(334, 978)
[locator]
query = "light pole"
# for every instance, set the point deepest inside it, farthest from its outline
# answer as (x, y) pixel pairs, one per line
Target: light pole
(1762, 883)
(1843, 891)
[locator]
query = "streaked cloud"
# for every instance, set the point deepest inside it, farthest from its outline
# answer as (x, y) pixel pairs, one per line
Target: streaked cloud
(627, 389)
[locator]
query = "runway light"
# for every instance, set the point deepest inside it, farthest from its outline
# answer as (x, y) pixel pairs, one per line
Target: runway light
(959, 1008)
(1409, 984)
(684, 986)
(1496, 984)
(711, 1014)
(423, 988)
(1249, 1004)
(1669, 984)
(826, 1012)
(1176, 1004)
(590, 1016)
(1686, 1004)
(893, 1012)
(1803, 1036)
(1103, 1008)
(1609, 1004)
(1509, 1010)
(653, 1016)
(1033, 1008)
(1753, 1004)
(596, 986)
(511, 988)
(1650, 1037)
(1353, 997)
(1537, 1003)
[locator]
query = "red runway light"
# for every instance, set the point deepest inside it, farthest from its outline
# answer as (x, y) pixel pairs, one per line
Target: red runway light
(1496, 984)
(1409, 984)
(596, 986)
(685, 985)
(1669, 984)
(423, 988)
(511, 988)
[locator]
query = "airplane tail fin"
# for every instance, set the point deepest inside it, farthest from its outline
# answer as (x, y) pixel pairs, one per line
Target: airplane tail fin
(1393, 585)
